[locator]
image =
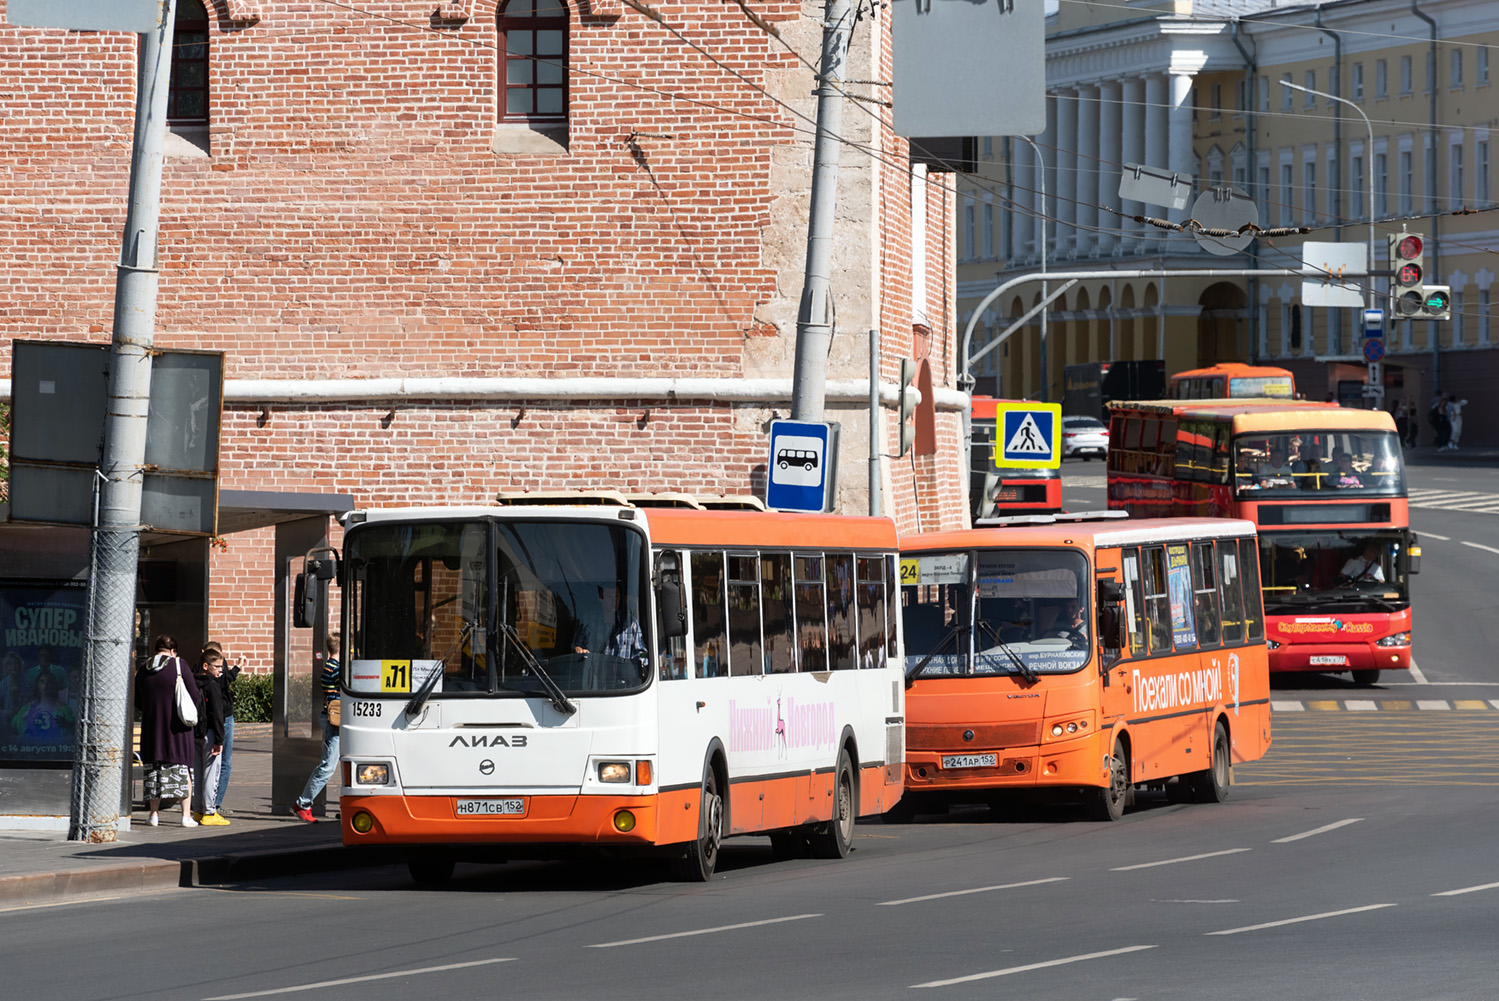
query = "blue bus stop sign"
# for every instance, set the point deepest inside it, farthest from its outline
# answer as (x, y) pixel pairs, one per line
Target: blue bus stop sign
(800, 459)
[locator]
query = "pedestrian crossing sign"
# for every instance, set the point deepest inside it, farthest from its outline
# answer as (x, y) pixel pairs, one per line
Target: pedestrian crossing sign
(1030, 435)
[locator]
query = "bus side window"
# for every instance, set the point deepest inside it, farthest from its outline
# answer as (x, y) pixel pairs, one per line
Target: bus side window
(1205, 594)
(871, 601)
(672, 655)
(892, 610)
(1254, 616)
(839, 571)
(1231, 590)
(811, 628)
(709, 622)
(744, 615)
(1134, 609)
(1157, 600)
(775, 608)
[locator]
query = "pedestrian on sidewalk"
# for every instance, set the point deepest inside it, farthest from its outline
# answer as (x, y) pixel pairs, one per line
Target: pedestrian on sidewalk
(226, 759)
(1438, 417)
(1402, 420)
(210, 748)
(328, 684)
(166, 747)
(1454, 421)
(1415, 423)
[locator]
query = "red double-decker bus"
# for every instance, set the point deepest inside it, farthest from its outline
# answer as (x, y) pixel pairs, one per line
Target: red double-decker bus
(1326, 487)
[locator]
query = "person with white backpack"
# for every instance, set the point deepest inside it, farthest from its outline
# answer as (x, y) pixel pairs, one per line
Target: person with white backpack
(166, 695)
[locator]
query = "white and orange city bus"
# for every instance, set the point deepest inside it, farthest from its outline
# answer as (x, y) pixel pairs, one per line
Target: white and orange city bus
(534, 675)
(1326, 487)
(1082, 656)
(1233, 380)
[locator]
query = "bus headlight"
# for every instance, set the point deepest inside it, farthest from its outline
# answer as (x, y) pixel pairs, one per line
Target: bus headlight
(1272, 644)
(1068, 727)
(615, 771)
(1399, 639)
(371, 775)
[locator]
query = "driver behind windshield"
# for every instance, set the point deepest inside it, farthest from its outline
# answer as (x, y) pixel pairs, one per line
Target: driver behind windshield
(624, 637)
(1062, 621)
(1367, 567)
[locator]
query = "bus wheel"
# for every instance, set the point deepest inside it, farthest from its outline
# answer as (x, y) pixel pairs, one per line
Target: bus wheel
(430, 870)
(836, 837)
(1365, 677)
(1211, 784)
(1108, 803)
(702, 854)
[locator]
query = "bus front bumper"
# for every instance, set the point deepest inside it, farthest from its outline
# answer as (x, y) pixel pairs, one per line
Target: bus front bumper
(555, 819)
(1075, 762)
(1367, 656)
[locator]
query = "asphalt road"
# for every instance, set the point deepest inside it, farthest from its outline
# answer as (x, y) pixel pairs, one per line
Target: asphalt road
(1356, 861)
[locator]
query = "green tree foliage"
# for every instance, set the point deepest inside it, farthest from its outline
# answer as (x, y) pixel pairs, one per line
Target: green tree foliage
(252, 698)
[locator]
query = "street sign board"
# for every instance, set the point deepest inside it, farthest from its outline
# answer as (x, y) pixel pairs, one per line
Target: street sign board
(1374, 392)
(87, 15)
(801, 455)
(1373, 323)
(1028, 435)
(1373, 349)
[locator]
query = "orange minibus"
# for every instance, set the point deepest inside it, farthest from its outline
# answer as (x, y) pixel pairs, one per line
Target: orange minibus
(1084, 656)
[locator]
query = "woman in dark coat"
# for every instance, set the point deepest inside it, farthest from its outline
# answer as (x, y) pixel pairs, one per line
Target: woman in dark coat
(166, 744)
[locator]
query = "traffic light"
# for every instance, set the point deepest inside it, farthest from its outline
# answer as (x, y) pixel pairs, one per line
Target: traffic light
(1436, 303)
(1408, 288)
(909, 397)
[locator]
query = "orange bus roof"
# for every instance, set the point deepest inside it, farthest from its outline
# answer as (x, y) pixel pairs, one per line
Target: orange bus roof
(1100, 534)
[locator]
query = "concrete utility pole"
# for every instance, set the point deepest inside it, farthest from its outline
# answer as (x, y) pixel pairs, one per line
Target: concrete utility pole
(103, 719)
(814, 319)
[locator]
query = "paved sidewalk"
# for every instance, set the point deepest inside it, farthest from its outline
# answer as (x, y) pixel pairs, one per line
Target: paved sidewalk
(38, 867)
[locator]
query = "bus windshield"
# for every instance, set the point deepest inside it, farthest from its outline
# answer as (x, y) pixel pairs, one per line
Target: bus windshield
(561, 599)
(1356, 463)
(1328, 570)
(1028, 610)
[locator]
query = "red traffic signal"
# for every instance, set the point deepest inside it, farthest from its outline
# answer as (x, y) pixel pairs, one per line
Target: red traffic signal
(1409, 248)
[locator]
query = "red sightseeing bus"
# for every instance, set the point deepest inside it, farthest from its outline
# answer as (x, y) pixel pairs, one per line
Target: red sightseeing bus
(1325, 486)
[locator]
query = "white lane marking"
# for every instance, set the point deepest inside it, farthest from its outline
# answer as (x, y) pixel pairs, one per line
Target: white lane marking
(1467, 889)
(1295, 921)
(1319, 830)
(1286, 707)
(1362, 705)
(1417, 674)
(1476, 545)
(1440, 684)
(360, 980)
(703, 931)
(1225, 900)
(1433, 535)
(1173, 861)
(1033, 966)
(1494, 703)
(1432, 705)
(978, 889)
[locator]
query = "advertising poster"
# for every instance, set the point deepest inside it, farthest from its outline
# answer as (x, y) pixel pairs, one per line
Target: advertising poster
(41, 668)
(1179, 588)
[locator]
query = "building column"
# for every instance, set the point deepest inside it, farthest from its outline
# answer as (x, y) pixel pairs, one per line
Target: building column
(1066, 172)
(1088, 169)
(1110, 134)
(1181, 158)
(1156, 149)
(1132, 150)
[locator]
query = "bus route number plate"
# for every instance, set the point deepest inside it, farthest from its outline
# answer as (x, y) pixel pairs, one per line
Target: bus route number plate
(969, 760)
(491, 807)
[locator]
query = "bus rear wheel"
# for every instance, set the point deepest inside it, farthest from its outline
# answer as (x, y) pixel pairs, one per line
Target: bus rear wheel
(836, 837)
(1211, 784)
(1107, 803)
(702, 853)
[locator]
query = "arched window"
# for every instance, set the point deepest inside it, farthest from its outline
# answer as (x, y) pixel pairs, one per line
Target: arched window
(187, 96)
(533, 61)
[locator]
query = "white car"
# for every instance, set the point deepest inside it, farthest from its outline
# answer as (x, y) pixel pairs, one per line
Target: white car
(1085, 436)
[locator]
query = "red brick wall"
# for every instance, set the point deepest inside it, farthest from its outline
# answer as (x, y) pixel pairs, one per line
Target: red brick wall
(353, 222)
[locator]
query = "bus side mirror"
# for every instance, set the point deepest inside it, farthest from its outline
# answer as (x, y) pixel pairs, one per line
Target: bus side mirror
(1110, 592)
(304, 601)
(1413, 556)
(669, 605)
(1111, 627)
(310, 589)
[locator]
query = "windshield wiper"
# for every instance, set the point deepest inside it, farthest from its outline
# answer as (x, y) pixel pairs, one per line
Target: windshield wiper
(559, 699)
(952, 634)
(422, 694)
(1023, 669)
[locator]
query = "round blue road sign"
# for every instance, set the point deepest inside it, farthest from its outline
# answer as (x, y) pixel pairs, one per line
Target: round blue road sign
(1373, 349)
